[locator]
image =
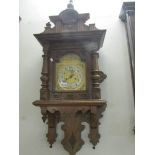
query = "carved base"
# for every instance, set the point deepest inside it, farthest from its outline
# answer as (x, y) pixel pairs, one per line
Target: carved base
(72, 113)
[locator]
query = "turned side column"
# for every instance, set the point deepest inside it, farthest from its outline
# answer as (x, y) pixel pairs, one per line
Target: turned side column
(97, 76)
(44, 91)
(96, 90)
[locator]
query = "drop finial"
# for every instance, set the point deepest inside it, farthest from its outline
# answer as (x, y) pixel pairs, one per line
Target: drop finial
(70, 5)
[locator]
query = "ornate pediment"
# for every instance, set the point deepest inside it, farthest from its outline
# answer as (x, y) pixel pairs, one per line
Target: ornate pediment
(69, 20)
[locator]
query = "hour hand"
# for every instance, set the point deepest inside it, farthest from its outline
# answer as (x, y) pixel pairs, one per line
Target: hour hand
(69, 77)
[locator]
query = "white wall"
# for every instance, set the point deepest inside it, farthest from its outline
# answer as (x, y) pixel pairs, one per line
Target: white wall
(116, 126)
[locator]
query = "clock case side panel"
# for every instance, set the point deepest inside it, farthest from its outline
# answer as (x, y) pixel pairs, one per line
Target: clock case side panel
(55, 55)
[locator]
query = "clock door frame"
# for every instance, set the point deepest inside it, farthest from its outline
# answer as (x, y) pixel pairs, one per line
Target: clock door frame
(56, 55)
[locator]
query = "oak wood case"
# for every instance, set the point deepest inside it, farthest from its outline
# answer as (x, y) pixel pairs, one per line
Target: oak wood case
(71, 35)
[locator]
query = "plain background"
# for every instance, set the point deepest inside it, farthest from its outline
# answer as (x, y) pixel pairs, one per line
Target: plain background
(117, 137)
(145, 75)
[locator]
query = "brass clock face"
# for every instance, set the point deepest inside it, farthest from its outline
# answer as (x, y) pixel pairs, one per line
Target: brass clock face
(70, 74)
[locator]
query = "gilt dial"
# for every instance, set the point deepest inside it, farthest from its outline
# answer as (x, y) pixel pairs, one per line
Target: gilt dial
(70, 73)
(71, 77)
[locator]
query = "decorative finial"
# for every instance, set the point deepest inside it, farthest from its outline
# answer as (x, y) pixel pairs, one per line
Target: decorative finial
(48, 24)
(47, 29)
(70, 5)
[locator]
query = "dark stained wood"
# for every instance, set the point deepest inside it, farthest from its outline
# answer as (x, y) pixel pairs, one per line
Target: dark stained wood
(73, 113)
(71, 35)
(97, 76)
(84, 102)
(44, 92)
(56, 55)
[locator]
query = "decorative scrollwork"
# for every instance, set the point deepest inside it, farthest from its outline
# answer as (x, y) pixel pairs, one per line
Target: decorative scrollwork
(72, 127)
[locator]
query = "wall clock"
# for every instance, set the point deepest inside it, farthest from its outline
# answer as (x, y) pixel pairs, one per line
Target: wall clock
(70, 89)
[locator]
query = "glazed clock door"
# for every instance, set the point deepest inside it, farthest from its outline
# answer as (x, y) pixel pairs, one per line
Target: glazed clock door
(70, 74)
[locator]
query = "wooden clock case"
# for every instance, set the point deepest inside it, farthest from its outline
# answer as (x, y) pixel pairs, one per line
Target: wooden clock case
(71, 35)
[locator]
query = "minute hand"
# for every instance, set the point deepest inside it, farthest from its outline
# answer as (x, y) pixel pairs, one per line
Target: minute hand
(69, 77)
